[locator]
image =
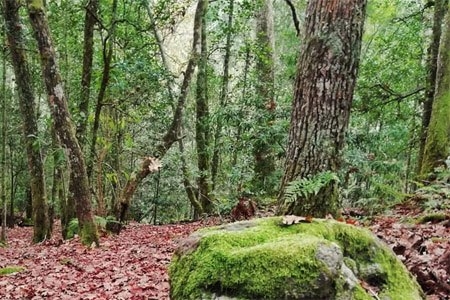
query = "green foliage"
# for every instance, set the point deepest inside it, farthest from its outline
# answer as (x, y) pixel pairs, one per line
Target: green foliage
(100, 222)
(137, 108)
(433, 218)
(10, 270)
(306, 187)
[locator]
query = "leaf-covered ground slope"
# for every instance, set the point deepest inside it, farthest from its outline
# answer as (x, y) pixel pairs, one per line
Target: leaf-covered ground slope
(422, 242)
(130, 266)
(134, 264)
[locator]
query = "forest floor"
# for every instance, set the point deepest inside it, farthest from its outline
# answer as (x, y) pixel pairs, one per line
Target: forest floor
(133, 265)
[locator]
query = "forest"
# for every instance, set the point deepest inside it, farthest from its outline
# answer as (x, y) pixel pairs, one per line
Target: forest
(131, 121)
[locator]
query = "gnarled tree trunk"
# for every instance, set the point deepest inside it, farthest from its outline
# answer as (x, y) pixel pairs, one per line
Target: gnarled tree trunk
(30, 128)
(64, 127)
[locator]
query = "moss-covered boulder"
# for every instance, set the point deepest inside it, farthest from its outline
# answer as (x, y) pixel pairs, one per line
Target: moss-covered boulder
(262, 259)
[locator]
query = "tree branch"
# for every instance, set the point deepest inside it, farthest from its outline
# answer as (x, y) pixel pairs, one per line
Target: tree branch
(294, 16)
(399, 97)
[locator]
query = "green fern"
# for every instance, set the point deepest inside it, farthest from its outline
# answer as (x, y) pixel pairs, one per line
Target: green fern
(73, 228)
(305, 187)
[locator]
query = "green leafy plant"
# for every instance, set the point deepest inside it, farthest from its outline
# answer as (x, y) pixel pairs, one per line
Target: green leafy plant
(305, 187)
(100, 222)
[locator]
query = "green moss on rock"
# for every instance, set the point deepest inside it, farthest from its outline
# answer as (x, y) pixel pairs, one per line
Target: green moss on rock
(260, 259)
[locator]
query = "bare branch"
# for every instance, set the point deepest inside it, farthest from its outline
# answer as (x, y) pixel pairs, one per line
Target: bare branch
(294, 16)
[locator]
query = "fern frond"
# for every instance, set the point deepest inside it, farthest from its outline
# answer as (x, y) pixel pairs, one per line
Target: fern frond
(305, 187)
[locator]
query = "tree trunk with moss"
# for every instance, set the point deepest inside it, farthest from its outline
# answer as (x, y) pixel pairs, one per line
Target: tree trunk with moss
(64, 127)
(440, 9)
(30, 128)
(88, 53)
(323, 94)
(437, 145)
(202, 125)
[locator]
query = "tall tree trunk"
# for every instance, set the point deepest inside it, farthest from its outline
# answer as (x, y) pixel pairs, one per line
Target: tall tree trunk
(27, 108)
(3, 209)
(327, 71)
(202, 125)
(239, 128)
(108, 51)
(86, 75)
(190, 190)
(67, 205)
(173, 132)
(62, 120)
(440, 9)
(223, 97)
(437, 146)
(264, 140)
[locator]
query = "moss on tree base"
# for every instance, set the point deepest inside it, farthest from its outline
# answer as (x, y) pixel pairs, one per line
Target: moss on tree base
(260, 259)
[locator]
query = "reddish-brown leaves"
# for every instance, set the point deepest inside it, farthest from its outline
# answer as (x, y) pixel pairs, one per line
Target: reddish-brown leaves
(132, 265)
(423, 248)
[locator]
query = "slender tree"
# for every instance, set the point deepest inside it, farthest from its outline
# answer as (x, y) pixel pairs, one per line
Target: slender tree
(263, 142)
(90, 20)
(190, 190)
(202, 123)
(108, 52)
(172, 134)
(437, 146)
(30, 128)
(223, 97)
(3, 209)
(327, 70)
(64, 127)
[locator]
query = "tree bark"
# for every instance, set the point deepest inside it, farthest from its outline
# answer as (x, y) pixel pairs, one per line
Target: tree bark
(86, 75)
(147, 167)
(30, 128)
(63, 124)
(323, 92)
(202, 124)
(437, 146)
(440, 9)
(3, 214)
